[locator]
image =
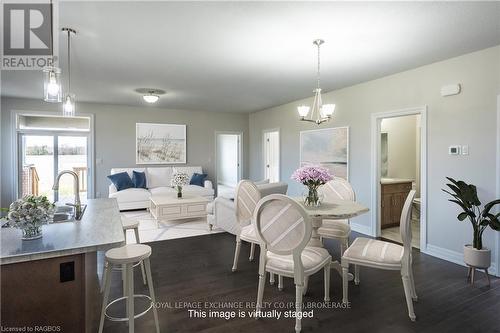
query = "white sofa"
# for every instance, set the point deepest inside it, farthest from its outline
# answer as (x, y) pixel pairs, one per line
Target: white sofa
(158, 183)
(221, 212)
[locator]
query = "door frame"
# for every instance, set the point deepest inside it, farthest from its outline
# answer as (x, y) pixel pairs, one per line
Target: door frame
(240, 154)
(264, 131)
(376, 119)
(16, 154)
(497, 243)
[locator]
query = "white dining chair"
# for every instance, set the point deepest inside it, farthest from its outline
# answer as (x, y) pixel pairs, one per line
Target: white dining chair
(385, 255)
(284, 229)
(337, 188)
(246, 197)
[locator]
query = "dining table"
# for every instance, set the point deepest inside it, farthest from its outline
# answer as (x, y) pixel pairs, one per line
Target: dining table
(333, 209)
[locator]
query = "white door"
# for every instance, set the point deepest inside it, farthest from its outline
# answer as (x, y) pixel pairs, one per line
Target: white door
(272, 155)
(228, 159)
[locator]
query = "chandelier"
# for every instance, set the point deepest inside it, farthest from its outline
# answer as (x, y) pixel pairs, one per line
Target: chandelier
(322, 112)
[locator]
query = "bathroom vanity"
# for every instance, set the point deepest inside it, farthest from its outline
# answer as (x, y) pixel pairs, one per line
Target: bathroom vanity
(52, 282)
(393, 195)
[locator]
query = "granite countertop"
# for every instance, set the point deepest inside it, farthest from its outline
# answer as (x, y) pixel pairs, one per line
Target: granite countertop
(395, 180)
(99, 229)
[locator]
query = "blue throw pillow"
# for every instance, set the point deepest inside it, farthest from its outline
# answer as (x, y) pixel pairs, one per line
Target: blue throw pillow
(198, 179)
(121, 181)
(139, 179)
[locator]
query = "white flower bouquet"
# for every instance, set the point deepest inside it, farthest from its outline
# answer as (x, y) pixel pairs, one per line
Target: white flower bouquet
(29, 213)
(180, 179)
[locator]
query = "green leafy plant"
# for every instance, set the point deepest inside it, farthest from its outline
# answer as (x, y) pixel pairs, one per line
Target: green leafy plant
(465, 195)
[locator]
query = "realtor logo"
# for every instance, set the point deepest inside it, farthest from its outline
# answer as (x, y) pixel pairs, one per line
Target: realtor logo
(27, 31)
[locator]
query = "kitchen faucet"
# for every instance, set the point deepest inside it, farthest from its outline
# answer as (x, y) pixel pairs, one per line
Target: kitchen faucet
(76, 188)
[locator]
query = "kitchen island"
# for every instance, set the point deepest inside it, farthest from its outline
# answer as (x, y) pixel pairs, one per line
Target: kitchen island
(52, 282)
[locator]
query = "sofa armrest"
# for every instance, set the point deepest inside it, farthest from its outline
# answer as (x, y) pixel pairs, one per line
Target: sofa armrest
(208, 184)
(112, 189)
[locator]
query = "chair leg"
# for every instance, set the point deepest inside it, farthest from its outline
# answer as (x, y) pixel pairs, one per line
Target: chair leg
(271, 278)
(125, 286)
(130, 298)
(345, 281)
(280, 283)
(152, 293)
(143, 273)
(326, 277)
(107, 285)
(306, 284)
(298, 307)
(252, 251)
(356, 274)
(412, 285)
(136, 232)
(260, 294)
(409, 302)
(138, 241)
(236, 254)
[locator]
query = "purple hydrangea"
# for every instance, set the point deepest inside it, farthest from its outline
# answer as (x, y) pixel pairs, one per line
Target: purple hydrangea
(312, 175)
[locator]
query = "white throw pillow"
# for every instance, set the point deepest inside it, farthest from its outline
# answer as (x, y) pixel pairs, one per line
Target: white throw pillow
(159, 176)
(189, 170)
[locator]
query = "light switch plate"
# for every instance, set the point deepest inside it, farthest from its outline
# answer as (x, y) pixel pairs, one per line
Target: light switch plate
(465, 150)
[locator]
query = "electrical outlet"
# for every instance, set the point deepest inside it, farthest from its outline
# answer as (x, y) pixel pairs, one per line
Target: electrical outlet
(465, 150)
(67, 271)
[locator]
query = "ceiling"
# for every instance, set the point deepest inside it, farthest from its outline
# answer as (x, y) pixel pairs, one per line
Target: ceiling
(248, 56)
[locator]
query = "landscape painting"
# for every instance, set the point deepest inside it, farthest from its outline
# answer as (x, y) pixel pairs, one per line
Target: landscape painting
(327, 147)
(160, 143)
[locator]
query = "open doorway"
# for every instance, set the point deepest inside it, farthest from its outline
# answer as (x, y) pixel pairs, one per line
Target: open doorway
(228, 163)
(399, 159)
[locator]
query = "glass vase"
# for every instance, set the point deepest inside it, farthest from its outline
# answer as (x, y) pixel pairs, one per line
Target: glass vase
(179, 192)
(312, 197)
(32, 233)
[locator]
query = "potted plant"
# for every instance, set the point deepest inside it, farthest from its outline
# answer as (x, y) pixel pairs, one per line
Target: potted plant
(312, 176)
(29, 213)
(179, 180)
(465, 195)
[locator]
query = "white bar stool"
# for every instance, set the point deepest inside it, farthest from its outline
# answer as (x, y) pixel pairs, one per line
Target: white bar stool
(126, 256)
(126, 225)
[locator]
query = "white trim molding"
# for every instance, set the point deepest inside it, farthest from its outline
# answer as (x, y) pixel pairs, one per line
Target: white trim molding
(376, 119)
(497, 243)
(362, 229)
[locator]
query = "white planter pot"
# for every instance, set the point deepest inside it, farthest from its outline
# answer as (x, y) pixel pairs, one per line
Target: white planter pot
(477, 258)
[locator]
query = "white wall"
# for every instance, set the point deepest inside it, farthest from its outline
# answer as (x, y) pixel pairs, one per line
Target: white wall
(227, 159)
(467, 118)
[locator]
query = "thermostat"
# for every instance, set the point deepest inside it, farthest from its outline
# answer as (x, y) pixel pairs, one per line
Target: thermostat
(454, 150)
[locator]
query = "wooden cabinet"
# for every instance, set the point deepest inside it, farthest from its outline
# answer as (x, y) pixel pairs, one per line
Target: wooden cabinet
(393, 197)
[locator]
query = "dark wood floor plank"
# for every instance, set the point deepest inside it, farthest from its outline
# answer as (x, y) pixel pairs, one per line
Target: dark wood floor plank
(198, 269)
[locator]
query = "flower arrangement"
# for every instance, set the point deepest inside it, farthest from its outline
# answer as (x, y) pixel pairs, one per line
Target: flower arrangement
(312, 176)
(29, 213)
(179, 180)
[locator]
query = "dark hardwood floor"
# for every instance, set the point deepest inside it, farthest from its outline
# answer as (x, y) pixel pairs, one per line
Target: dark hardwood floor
(198, 269)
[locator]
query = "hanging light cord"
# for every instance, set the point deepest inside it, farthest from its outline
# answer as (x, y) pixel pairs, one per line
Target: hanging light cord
(69, 63)
(318, 75)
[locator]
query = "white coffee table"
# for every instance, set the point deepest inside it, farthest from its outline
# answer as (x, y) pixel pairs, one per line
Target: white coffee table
(173, 208)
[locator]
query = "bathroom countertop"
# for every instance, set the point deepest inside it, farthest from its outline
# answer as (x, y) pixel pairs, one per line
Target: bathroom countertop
(385, 181)
(99, 229)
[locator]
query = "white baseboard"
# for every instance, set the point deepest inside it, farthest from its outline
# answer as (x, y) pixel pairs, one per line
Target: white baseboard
(454, 257)
(362, 229)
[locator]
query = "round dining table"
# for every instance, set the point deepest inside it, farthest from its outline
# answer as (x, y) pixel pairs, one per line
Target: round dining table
(331, 210)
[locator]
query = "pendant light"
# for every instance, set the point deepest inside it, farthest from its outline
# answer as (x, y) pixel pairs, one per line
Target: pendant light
(322, 111)
(52, 89)
(69, 107)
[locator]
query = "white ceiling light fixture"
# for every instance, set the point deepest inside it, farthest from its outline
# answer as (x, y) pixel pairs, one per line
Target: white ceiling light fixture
(322, 111)
(69, 107)
(52, 89)
(150, 95)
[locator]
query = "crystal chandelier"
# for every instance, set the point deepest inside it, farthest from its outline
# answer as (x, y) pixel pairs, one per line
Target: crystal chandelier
(323, 112)
(69, 99)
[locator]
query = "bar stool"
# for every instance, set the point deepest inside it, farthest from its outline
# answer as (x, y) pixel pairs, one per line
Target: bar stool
(126, 225)
(126, 256)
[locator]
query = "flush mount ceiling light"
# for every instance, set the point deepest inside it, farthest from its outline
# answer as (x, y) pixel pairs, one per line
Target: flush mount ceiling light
(69, 108)
(150, 95)
(323, 112)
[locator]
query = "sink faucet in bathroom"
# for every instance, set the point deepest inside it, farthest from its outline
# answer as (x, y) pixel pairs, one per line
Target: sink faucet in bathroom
(76, 188)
